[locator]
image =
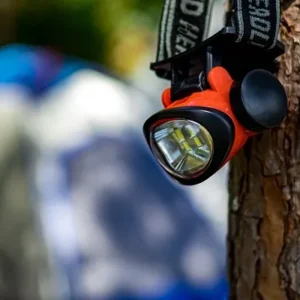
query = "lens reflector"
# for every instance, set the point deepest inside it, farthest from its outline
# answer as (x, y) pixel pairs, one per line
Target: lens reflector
(183, 147)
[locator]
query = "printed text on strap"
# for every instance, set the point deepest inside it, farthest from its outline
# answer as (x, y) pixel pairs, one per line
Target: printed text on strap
(184, 23)
(257, 21)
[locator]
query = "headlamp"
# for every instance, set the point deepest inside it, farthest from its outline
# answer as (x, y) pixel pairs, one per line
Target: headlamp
(221, 94)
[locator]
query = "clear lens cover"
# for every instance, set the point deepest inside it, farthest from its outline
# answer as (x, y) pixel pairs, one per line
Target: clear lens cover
(183, 147)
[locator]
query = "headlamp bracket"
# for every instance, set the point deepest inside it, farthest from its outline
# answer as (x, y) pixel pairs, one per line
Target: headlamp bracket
(187, 71)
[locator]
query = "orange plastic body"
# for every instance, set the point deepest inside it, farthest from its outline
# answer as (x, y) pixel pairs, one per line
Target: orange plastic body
(218, 98)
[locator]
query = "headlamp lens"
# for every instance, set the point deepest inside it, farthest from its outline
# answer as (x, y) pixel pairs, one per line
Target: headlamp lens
(183, 147)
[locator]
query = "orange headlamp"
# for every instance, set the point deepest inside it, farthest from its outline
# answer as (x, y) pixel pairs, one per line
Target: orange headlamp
(222, 93)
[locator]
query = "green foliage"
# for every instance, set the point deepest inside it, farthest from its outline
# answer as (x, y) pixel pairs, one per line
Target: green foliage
(69, 28)
(84, 28)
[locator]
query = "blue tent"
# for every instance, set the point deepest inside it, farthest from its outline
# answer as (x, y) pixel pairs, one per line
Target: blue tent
(149, 220)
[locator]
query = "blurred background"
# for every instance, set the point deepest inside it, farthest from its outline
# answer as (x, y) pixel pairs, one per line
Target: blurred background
(86, 212)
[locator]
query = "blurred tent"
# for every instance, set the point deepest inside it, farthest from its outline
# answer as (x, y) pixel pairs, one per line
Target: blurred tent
(112, 224)
(90, 214)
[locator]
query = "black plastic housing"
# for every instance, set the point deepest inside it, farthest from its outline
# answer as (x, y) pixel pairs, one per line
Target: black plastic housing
(260, 101)
(218, 124)
(218, 50)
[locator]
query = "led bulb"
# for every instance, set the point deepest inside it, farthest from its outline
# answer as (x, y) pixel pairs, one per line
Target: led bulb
(183, 147)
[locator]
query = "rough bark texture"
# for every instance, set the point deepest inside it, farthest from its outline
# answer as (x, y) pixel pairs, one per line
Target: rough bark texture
(264, 220)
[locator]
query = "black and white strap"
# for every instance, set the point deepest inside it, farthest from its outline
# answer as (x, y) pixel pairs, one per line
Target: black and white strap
(184, 23)
(257, 21)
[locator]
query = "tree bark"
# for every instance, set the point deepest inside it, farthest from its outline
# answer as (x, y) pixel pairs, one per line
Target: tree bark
(264, 212)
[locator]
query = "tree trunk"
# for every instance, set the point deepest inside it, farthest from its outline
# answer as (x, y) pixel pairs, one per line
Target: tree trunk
(264, 212)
